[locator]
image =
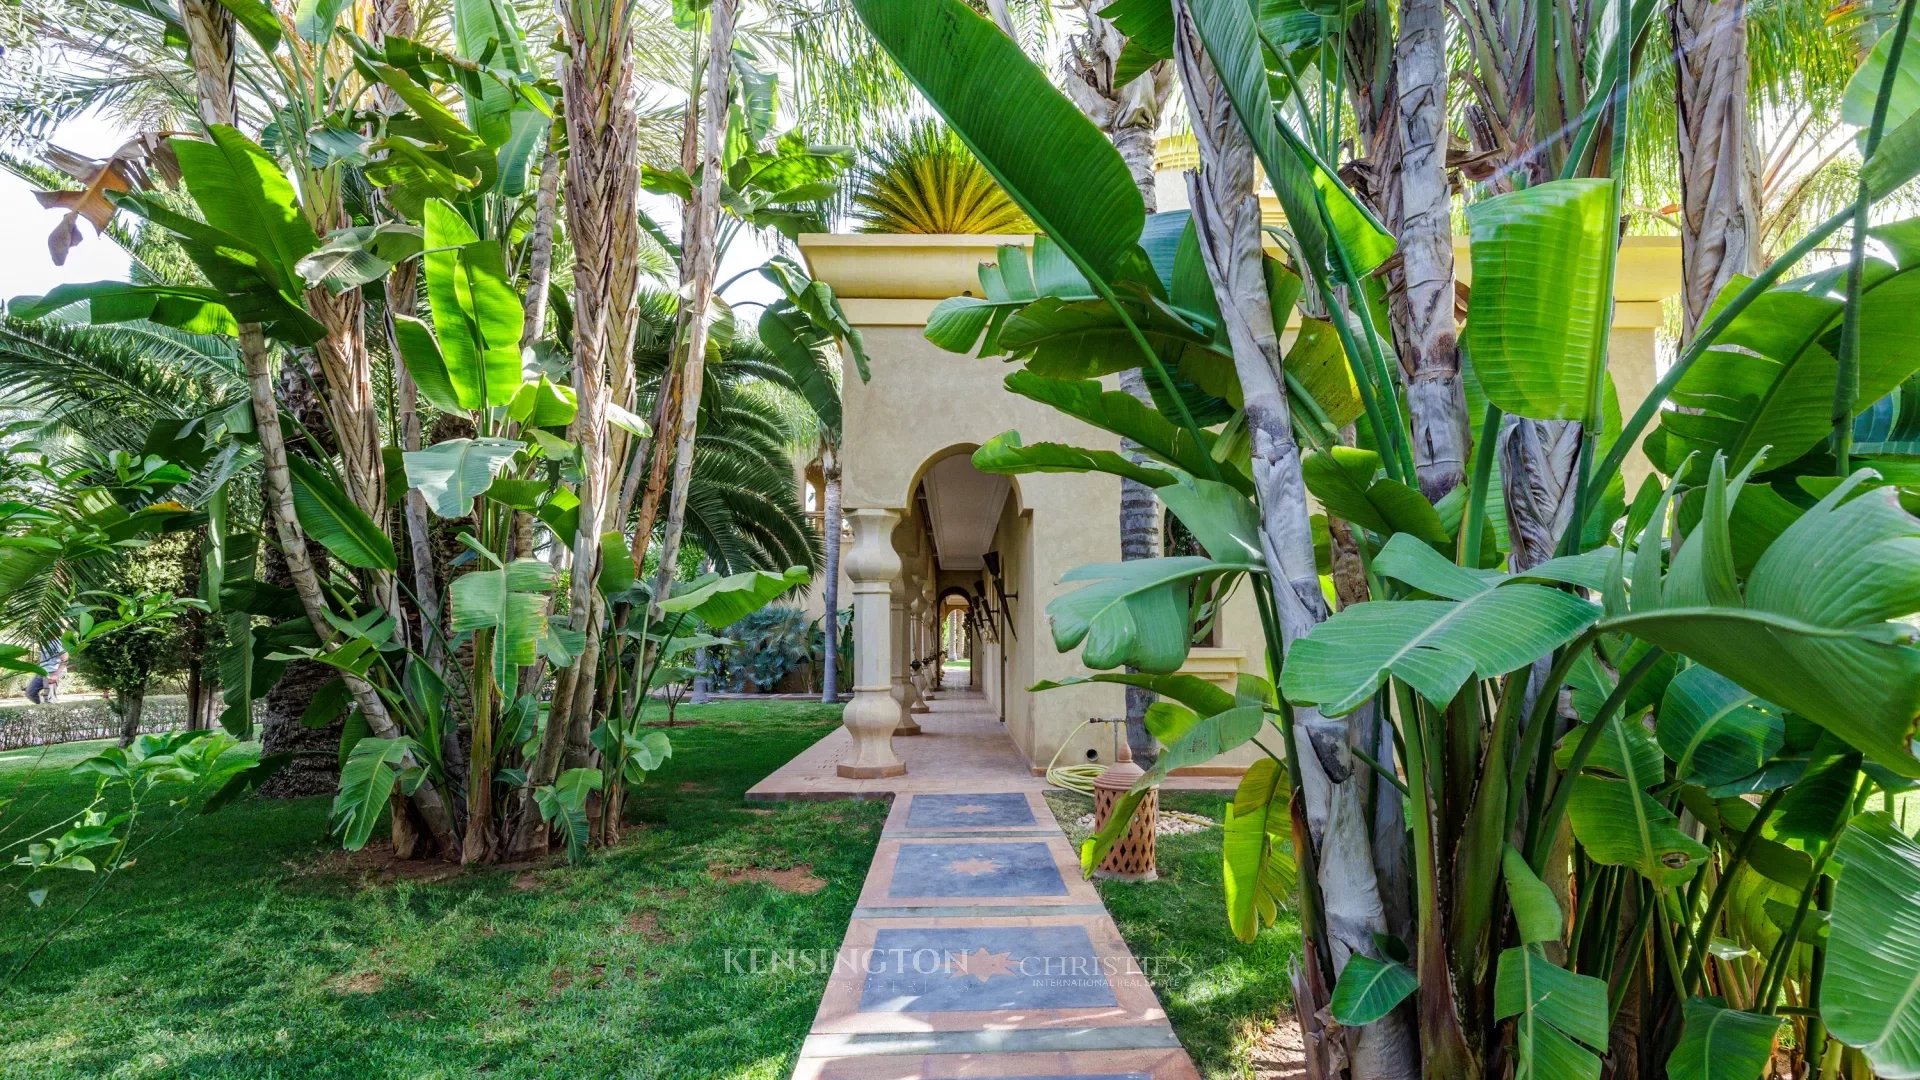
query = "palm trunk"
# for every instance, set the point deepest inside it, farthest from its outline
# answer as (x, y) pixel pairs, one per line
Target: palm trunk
(830, 590)
(395, 18)
(210, 25)
(1226, 217)
(1719, 199)
(1130, 115)
(1435, 401)
(602, 181)
(277, 494)
(700, 250)
(546, 201)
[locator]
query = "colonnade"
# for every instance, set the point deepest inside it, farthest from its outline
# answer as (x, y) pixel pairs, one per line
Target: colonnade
(890, 566)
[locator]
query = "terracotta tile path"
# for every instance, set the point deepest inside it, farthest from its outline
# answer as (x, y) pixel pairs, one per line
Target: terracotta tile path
(978, 951)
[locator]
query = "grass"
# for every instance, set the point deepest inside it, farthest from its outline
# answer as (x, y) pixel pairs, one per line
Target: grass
(243, 944)
(1221, 996)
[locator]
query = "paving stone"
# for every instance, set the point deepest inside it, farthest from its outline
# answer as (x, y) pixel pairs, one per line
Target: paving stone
(993, 810)
(977, 950)
(976, 869)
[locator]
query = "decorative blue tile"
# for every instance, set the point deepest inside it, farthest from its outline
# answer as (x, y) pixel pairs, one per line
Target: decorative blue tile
(1009, 808)
(984, 969)
(975, 869)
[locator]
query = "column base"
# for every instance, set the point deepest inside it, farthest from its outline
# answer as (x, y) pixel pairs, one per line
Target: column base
(907, 727)
(870, 772)
(919, 707)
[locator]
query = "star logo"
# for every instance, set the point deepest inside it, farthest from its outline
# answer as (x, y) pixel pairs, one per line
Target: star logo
(972, 808)
(973, 867)
(980, 964)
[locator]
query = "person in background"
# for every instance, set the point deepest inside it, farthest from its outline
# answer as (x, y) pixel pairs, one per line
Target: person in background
(45, 689)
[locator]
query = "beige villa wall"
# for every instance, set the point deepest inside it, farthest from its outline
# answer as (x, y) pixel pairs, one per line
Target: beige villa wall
(924, 404)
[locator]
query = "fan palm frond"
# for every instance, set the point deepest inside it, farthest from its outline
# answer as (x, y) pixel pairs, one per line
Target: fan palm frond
(109, 383)
(923, 179)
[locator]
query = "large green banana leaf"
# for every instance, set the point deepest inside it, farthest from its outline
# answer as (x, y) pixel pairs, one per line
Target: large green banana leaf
(1816, 630)
(1255, 832)
(727, 600)
(242, 191)
(1346, 482)
(367, 777)
(1542, 258)
(453, 473)
(1119, 413)
(1188, 738)
(1370, 989)
(1767, 384)
(331, 518)
(1718, 1043)
(1039, 146)
(1006, 455)
(1490, 625)
(1615, 819)
(193, 308)
(1560, 1019)
(1133, 614)
(511, 601)
(1871, 994)
(476, 314)
(1715, 731)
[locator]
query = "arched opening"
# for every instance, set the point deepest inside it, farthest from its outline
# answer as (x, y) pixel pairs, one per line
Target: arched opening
(963, 545)
(960, 633)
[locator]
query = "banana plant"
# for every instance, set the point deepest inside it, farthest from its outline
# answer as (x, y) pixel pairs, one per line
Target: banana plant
(1640, 755)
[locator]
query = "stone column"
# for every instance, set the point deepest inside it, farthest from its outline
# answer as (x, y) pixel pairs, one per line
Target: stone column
(917, 609)
(874, 569)
(904, 694)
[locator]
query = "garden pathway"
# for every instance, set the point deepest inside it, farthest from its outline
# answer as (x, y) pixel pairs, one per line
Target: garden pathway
(977, 950)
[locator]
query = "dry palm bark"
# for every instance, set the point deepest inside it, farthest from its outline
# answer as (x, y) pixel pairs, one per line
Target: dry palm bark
(210, 27)
(700, 255)
(1226, 217)
(1130, 116)
(1436, 404)
(602, 198)
(1719, 196)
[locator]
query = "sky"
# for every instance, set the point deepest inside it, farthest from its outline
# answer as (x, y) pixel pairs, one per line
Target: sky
(27, 269)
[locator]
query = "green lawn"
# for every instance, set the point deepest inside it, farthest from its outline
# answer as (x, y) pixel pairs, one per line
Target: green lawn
(1221, 996)
(245, 945)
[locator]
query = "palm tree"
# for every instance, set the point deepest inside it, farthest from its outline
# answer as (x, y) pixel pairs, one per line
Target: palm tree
(809, 364)
(1719, 187)
(742, 510)
(699, 263)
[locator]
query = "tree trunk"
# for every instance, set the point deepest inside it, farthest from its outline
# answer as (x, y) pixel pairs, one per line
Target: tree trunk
(277, 494)
(209, 25)
(830, 588)
(1719, 196)
(1226, 217)
(700, 253)
(129, 704)
(546, 202)
(1130, 115)
(1435, 401)
(602, 186)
